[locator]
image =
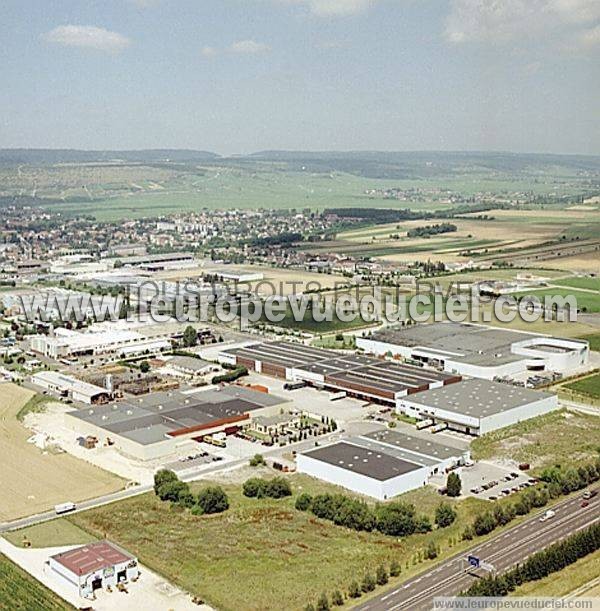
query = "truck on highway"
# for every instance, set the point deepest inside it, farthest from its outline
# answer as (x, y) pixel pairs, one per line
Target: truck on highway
(65, 508)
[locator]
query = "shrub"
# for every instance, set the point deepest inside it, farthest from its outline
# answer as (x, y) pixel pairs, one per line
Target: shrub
(212, 499)
(303, 502)
(254, 488)
(354, 590)
(337, 599)
(431, 551)
(395, 568)
(257, 460)
(278, 487)
(323, 603)
(368, 583)
(381, 575)
(444, 515)
(484, 523)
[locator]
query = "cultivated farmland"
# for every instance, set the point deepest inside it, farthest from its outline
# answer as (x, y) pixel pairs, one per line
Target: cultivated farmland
(34, 481)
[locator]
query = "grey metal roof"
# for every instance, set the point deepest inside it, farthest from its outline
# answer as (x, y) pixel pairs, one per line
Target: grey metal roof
(477, 398)
(416, 445)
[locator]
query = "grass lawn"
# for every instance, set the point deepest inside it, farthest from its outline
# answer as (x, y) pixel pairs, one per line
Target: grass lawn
(18, 590)
(263, 554)
(564, 582)
(348, 342)
(589, 386)
(560, 437)
(586, 301)
(54, 533)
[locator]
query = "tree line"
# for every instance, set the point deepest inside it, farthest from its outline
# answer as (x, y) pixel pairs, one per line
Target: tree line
(429, 230)
(168, 487)
(397, 519)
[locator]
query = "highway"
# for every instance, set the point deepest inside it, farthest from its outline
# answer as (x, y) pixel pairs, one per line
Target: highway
(503, 551)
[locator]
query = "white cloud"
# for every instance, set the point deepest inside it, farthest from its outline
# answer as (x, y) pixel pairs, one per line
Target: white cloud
(507, 20)
(87, 36)
(209, 51)
(333, 8)
(249, 47)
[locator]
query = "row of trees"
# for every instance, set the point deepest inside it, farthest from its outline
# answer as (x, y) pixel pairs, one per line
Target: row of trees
(231, 376)
(557, 483)
(168, 487)
(275, 488)
(357, 588)
(539, 565)
(395, 519)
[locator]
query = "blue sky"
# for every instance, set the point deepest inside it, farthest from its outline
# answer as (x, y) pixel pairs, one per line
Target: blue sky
(236, 76)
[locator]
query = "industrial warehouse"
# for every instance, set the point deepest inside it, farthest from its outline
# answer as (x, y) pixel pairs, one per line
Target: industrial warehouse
(358, 376)
(154, 426)
(381, 464)
(477, 350)
(477, 406)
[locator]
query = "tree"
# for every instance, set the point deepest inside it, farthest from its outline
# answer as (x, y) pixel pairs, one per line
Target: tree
(381, 575)
(396, 519)
(190, 336)
(172, 491)
(257, 460)
(337, 599)
(303, 502)
(163, 476)
(484, 523)
(323, 603)
(144, 366)
(453, 484)
(211, 499)
(444, 515)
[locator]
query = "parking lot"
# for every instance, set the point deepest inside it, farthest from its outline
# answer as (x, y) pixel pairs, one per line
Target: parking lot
(476, 480)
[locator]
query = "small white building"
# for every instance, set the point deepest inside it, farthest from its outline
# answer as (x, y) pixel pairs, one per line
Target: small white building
(94, 566)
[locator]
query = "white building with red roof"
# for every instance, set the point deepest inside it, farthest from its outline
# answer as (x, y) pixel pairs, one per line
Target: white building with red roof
(95, 566)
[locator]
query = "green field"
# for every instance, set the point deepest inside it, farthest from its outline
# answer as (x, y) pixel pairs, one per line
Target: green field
(592, 284)
(594, 339)
(18, 590)
(561, 437)
(586, 301)
(281, 558)
(587, 386)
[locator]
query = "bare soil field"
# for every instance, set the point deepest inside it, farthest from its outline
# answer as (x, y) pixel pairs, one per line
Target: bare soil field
(34, 481)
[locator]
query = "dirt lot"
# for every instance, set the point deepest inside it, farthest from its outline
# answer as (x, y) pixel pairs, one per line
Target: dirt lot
(34, 481)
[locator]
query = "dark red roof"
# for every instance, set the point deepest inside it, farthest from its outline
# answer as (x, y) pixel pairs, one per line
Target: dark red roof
(92, 557)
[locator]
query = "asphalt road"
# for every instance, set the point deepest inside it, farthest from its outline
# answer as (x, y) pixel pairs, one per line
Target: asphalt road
(186, 476)
(502, 551)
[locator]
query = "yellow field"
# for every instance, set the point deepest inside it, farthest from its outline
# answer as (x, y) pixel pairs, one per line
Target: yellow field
(34, 481)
